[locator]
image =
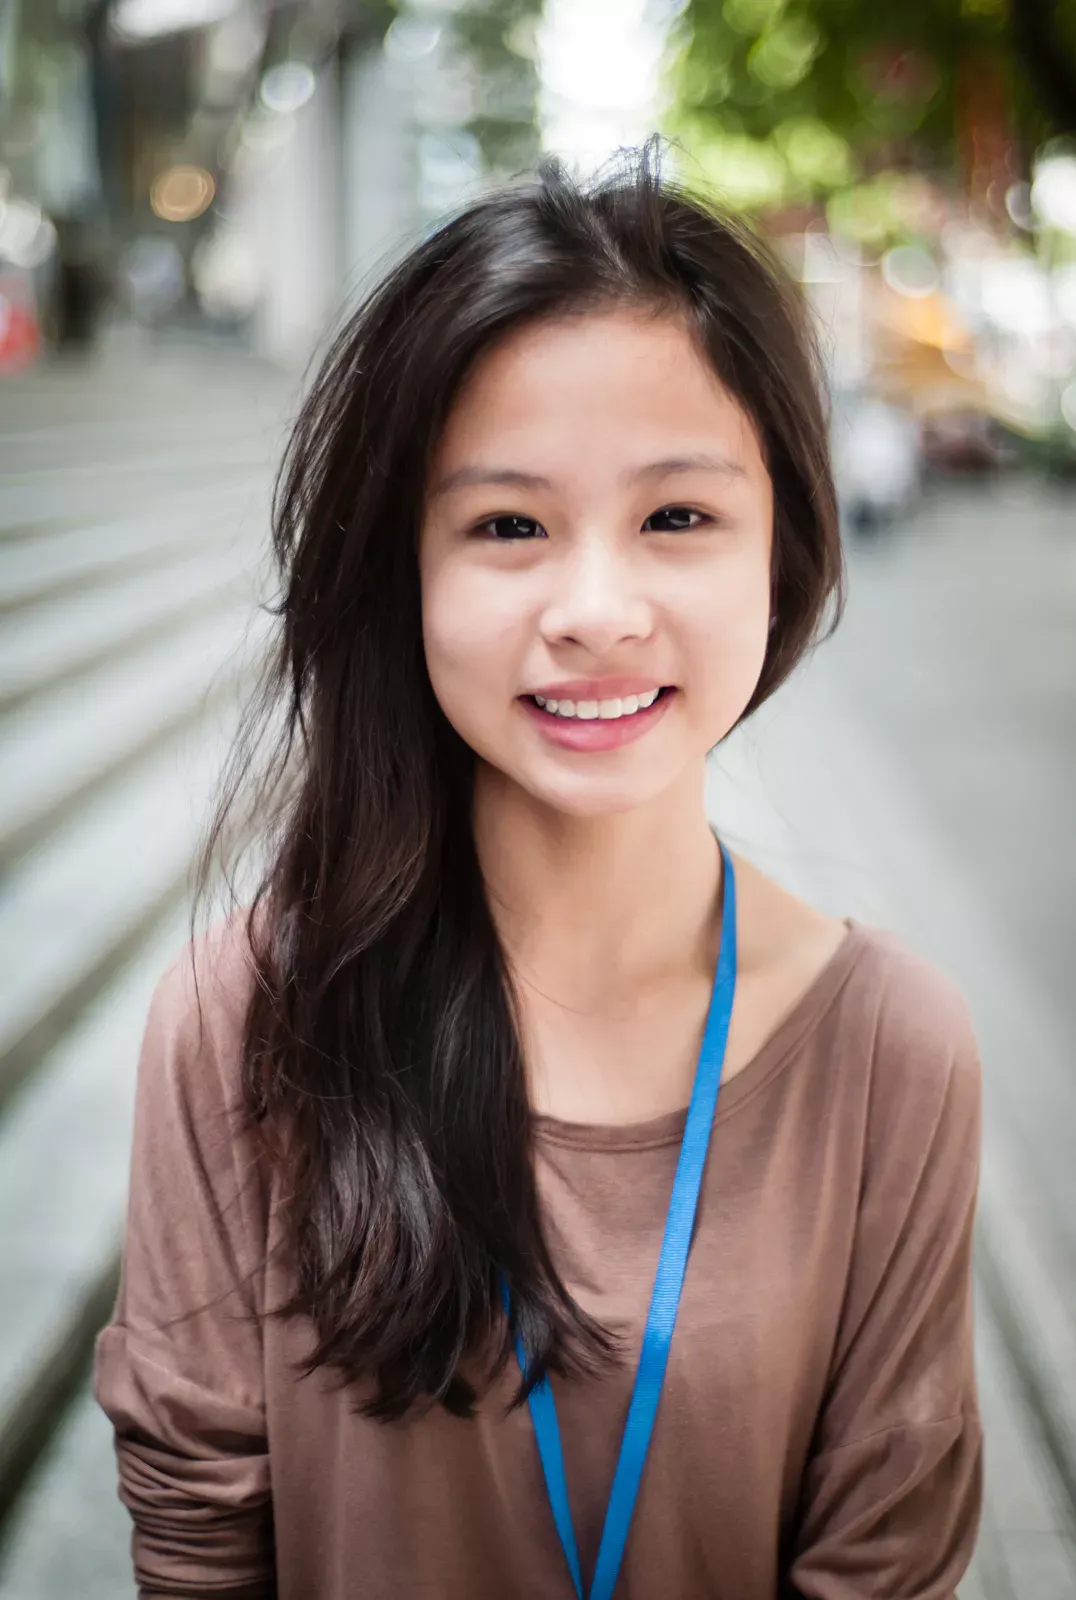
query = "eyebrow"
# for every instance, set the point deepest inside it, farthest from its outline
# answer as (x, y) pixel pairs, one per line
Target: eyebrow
(511, 478)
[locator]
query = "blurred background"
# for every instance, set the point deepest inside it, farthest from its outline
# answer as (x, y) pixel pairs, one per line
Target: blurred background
(191, 191)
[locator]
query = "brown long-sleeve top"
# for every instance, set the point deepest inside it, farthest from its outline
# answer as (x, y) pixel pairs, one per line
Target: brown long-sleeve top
(817, 1434)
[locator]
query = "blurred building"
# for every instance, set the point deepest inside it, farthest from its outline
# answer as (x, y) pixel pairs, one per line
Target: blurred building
(241, 164)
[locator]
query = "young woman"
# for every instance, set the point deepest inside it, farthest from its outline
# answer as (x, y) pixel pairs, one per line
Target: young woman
(444, 1273)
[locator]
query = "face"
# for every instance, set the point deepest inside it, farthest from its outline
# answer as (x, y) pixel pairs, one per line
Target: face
(595, 561)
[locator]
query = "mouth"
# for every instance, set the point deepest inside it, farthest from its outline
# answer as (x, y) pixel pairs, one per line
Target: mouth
(597, 725)
(616, 709)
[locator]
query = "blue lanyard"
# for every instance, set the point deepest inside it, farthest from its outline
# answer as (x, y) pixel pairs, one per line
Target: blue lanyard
(664, 1301)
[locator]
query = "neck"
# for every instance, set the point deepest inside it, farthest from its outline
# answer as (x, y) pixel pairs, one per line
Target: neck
(587, 906)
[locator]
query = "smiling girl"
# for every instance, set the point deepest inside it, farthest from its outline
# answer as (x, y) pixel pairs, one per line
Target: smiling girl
(529, 1197)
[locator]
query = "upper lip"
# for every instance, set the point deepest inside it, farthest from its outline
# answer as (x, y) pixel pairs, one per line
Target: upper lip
(597, 688)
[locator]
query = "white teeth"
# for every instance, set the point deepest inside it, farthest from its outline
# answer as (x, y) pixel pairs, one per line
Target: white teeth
(607, 710)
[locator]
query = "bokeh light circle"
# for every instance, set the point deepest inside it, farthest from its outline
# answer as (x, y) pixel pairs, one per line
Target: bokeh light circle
(182, 193)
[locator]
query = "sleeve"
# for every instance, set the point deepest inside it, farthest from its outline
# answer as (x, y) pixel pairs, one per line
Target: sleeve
(892, 1494)
(178, 1370)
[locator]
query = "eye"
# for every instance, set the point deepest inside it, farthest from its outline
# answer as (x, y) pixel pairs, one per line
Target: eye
(507, 529)
(674, 519)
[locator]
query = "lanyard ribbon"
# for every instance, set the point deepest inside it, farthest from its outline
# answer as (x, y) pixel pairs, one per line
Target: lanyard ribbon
(664, 1301)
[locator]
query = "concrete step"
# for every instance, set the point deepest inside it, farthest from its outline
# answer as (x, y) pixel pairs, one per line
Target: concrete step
(74, 908)
(1027, 1548)
(64, 1152)
(32, 502)
(89, 554)
(64, 746)
(62, 639)
(133, 511)
(73, 1535)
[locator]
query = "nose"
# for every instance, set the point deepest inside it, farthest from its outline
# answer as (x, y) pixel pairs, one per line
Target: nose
(597, 599)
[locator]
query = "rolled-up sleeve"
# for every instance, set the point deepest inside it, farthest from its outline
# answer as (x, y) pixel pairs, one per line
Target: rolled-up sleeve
(892, 1494)
(178, 1370)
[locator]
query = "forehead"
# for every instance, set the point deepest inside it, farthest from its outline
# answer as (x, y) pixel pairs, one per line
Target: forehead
(599, 384)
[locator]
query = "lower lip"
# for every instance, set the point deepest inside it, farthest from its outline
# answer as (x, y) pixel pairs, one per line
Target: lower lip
(596, 733)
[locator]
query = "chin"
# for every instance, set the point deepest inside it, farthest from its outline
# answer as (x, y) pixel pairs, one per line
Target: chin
(593, 806)
(590, 796)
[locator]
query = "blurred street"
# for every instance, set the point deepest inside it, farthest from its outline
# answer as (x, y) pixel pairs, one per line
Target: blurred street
(920, 774)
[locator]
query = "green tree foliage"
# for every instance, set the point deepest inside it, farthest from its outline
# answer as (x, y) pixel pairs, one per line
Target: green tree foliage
(497, 39)
(808, 95)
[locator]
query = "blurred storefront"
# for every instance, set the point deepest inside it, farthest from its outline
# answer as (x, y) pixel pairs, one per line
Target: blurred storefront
(238, 165)
(960, 320)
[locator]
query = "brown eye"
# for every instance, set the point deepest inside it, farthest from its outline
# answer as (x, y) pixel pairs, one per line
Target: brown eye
(510, 528)
(673, 519)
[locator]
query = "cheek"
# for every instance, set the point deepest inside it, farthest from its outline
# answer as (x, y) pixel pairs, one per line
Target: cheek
(471, 638)
(727, 614)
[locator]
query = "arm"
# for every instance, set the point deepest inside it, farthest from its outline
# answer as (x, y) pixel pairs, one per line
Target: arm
(179, 1368)
(892, 1491)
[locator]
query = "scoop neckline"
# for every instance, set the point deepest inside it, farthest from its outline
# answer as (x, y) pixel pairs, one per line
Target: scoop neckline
(772, 1054)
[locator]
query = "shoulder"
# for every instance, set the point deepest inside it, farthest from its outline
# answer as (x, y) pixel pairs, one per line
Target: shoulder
(908, 1028)
(915, 1009)
(885, 1019)
(212, 975)
(194, 1031)
(200, 1181)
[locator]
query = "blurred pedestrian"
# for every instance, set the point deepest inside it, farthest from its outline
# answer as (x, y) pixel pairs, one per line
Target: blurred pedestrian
(514, 1084)
(79, 292)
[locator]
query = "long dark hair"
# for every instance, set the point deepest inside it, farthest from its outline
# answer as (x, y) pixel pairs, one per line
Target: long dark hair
(382, 1061)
